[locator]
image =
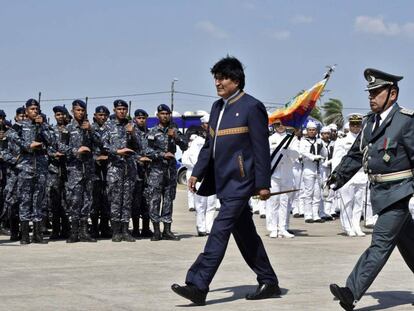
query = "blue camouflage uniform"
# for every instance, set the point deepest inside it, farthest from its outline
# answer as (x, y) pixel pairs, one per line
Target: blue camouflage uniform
(162, 176)
(33, 169)
(122, 170)
(81, 171)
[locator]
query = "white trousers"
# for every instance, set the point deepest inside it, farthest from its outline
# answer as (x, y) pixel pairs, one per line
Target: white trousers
(312, 194)
(351, 199)
(205, 208)
(277, 213)
(298, 196)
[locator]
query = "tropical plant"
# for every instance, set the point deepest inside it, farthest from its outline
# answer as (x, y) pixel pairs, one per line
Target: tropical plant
(333, 112)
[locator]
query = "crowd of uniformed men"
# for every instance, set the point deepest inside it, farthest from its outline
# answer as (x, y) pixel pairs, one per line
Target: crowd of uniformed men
(116, 170)
(108, 172)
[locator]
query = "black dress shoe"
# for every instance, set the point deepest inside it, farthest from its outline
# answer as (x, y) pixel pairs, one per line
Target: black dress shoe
(191, 293)
(264, 291)
(320, 220)
(345, 296)
(296, 215)
(309, 221)
(201, 233)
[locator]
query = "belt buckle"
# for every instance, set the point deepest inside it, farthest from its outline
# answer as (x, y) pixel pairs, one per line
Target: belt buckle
(373, 178)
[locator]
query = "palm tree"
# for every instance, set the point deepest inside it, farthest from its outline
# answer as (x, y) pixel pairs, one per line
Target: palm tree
(316, 114)
(333, 112)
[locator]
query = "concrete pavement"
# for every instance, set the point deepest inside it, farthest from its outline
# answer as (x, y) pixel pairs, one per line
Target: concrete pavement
(138, 276)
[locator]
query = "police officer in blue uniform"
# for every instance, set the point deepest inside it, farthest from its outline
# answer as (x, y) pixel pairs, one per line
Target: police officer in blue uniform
(234, 163)
(100, 209)
(385, 148)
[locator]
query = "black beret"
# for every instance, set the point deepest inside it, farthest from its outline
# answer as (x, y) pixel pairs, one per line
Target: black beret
(377, 79)
(2, 113)
(163, 107)
(61, 109)
(141, 113)
(120, 103)
(32, 102)
(80, 103)
(20, 110)
(102, 109)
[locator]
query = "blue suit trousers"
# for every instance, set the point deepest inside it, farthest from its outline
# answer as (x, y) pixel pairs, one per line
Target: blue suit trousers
(234, 217)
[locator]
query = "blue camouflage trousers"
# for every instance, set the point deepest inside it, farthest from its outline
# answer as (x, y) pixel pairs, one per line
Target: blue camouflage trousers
(79, 198)
(162, 184)
(120, 193)
(32, 192)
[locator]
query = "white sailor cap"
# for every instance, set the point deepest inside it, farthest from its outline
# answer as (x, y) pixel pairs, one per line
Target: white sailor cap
(333, 127)
(346, 126)
(311, 125)
(205, 118)
(325, 129)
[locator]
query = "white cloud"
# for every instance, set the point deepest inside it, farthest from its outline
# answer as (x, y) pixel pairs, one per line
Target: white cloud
(301, 19)
(377, 26)
(279, 34)
(211, 29)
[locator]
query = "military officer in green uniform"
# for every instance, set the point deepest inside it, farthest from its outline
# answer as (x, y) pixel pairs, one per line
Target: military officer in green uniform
(385, 148)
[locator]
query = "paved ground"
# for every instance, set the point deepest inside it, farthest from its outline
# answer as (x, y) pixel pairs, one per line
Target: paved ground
(137, 276)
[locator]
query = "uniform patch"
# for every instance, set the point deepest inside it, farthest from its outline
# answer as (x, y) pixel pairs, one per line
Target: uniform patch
(407, 112)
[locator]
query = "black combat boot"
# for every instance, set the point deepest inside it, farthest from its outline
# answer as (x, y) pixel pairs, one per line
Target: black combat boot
(146, 231)
(94, 228)
(167, 234)
(116, 231)
(135, 225)
(45, 225)
(55, 227)
(83, 232)
(74, 232)
(65, 232)
(126, 235)
(37, 233)
(14, 229)
(157, 233)
(106, 231)
(25, 232)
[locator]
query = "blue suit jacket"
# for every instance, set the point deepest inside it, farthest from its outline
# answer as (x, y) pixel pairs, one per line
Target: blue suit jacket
(241, 164)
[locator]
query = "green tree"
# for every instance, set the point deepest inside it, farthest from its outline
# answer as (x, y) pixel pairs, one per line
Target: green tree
(316, 113)
(333, 112)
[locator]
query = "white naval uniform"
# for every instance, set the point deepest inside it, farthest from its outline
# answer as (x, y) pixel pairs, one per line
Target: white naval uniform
(204, 206)
(326, 169)
(352, 194)
(277, 211)
(298, 196)
(311, 179)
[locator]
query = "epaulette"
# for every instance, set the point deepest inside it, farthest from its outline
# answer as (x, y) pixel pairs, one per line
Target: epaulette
(406, 111)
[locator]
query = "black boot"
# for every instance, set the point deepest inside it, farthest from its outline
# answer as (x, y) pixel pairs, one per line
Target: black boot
(116, 231)
(74, 232)
(14, 229)
(106, 231)
(157, 233)
(65, 233)
(126, 236)
(146, 231)
(94, 228)
(37, 233)
(25, 232)
(83, 232)
(167, 234)
(135, 225)
(55, 227)
(45, 225)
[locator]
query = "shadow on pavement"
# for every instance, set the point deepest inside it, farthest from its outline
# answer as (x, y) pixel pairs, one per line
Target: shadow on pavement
(390, 299)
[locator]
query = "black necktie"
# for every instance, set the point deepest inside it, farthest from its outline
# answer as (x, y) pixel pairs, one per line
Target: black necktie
(312, 148)
(377, 122)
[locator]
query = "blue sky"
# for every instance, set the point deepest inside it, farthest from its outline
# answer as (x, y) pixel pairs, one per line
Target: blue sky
(71, 49)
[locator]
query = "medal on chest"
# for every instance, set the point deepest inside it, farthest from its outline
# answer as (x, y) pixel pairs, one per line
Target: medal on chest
(386, 156)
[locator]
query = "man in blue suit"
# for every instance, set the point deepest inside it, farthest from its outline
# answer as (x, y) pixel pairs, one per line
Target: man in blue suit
(234, 163)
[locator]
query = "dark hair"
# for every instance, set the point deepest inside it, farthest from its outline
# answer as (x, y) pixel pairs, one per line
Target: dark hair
(231, 68)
